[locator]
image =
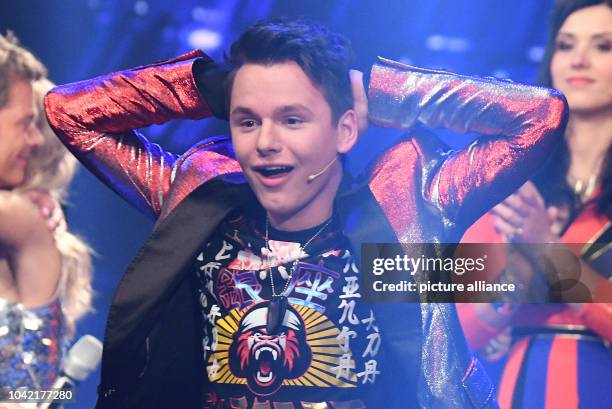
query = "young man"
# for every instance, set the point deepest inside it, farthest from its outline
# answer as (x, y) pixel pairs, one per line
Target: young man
(248, 293)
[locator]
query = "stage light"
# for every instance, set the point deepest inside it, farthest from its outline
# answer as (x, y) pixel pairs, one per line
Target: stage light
(501, 73)
(435, 42)
(535, 53)
(141, 8)
(439, 42)
(204, 39)
(209, 16)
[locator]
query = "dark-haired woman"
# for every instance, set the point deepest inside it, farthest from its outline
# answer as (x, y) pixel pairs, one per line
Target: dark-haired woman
(560, 355)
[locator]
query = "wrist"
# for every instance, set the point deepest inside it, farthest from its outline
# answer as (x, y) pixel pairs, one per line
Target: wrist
(210, 78)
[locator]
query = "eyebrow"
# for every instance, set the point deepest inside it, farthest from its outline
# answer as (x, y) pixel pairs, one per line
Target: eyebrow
(292, 108)
(282, 110)
(596, 35)
(242, 110)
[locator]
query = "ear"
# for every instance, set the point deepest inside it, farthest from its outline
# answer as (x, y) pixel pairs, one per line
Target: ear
(347, 131)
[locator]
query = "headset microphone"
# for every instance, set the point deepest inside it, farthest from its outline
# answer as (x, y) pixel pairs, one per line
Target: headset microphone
(316, 175)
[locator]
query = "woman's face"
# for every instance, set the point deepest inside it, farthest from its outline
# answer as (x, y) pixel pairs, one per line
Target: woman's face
(581, 66)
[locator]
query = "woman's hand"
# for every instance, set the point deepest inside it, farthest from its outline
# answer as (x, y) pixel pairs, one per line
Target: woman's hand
(360, 100)
(49, 208)
(523, 217)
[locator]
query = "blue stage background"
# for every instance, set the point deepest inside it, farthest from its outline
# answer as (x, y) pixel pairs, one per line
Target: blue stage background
(78, 39)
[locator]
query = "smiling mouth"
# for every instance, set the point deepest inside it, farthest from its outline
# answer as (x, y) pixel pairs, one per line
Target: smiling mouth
(273, 171)
(23, 160)
(580, 81)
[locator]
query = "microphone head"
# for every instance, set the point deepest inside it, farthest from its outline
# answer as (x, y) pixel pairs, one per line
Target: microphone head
(83, 358)
(316, 175)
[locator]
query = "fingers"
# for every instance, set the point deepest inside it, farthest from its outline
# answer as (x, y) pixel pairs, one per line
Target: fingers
(505, 229)
(360, 99)
(523, 217)
(57, 220)
(509, 215)
(43, 200)
(517, 204)
(530, 194)
(555, 218)
(40, 197)
(50, 209)
(508, 221)
(520, 206)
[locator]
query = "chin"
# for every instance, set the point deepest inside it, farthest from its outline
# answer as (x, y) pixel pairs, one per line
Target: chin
(284, 208)
(587, 107)
(279, 209)
(273, 204)
(585, 102)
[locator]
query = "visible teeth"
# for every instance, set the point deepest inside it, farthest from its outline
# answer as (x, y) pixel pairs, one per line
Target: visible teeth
(262, 378)
(274, 170)
(273, 351)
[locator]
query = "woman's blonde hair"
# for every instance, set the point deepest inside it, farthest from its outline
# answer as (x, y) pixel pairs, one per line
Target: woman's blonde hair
(51, 168)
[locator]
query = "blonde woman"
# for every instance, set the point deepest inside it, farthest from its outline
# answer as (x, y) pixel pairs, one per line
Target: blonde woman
(50, 171)
(45, 271)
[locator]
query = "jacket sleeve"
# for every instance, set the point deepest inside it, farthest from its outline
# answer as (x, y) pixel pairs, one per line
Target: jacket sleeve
(96, 119)
(518, 125)
(451, 376)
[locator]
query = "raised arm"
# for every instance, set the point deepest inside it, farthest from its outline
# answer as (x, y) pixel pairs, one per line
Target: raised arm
(96, 120)
(30, 249)
(519, 126)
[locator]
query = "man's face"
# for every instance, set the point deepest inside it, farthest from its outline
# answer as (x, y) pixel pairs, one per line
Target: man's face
(18, 133)
(282, 132)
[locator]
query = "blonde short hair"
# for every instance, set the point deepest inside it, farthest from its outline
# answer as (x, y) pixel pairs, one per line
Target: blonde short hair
(16, 61)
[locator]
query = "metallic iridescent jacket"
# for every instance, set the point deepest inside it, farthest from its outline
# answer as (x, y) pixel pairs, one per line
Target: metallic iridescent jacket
(416, 192)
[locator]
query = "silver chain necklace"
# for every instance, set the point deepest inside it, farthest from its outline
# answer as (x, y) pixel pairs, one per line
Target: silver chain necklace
(278, 302)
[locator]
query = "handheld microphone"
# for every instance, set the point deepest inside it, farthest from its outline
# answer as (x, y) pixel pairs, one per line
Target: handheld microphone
(316, 175)
(81, 360)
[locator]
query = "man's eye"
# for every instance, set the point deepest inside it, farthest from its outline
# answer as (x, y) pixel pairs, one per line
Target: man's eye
(248, 123)
(294, 121)
(604, 46)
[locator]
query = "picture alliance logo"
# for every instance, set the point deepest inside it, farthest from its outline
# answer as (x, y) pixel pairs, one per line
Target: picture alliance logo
(459, 265)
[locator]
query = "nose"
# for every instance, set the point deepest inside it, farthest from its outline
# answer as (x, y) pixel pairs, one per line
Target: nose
(34, 136)
(580, 57)
(268, 139)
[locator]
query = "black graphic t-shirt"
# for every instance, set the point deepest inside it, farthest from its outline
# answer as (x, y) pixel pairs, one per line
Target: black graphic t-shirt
(327, 352)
